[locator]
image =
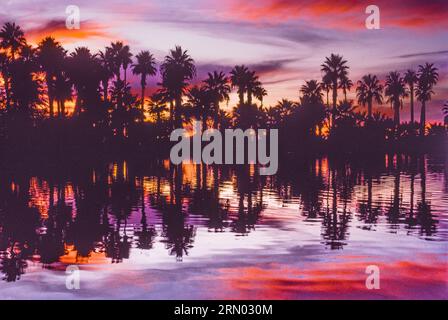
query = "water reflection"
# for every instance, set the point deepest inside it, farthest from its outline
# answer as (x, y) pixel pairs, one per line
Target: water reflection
(100, 215)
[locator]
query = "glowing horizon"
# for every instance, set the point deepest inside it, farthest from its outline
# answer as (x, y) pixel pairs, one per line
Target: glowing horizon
(285, 41)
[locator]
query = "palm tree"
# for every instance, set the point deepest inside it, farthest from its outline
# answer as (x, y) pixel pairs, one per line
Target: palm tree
(83, 70)
(144, 67)
(62, 92)
(411, 79)
(126, 61)
(279, 113)
(200, 104)
(12, 38)
(106, 59)
(260, 93)
(326, 85)
(427, 79)
(312, 92)
(26, 90)
(335, 69)
(368, 90)
(252, 83)
(345, 84)
(395, 89)
(219, 88)
(157, 106)
(177, 68)
(238, 77)
(50, 55)
(121, 57)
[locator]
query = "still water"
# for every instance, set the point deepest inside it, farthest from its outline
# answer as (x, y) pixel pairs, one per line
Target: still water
(147, 230)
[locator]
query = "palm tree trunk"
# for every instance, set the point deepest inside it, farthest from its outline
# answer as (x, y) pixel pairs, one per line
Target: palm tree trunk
(423, 118)
(143, 98)
(62, 108)
(369, 109)
(177, 110)
(172, 113)
(412, 104)
(335, 98)
(51, 105)
(241, 96)
(397, 112)
(105, 89)
(249, 98)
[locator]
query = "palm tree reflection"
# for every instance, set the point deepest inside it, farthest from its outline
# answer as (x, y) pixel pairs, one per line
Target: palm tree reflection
(130, 205)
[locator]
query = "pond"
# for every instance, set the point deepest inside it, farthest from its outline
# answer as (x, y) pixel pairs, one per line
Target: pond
(151, 230)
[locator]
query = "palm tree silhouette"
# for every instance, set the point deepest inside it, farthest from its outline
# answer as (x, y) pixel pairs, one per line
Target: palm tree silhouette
(219, 88)
(200, 104)
(395, 90)
(411, 79)
(238, 77)
(83, 70)
(157, 107)
(62, 91)
(345, 84)
(50, 55)
(26, 91)
(145, 66)
(335, 69)
(312, 92)
(427, 79)
(177, 68)
(120, 57)
(252, 83)
(326, 86)
(260, 93)
(106, 59)
(368, 90)
(12, 38)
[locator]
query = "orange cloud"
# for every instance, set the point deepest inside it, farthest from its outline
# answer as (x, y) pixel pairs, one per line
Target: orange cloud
(341, 14)
(58, 30)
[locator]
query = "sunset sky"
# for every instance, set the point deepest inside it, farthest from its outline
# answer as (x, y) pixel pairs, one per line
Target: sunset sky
(285, 41)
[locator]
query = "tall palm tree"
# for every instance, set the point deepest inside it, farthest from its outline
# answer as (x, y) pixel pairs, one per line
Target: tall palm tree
(51, 55)
(345, 84)
(411, 79)
(252, 83)
(335, 69)
(177, 69)
(12, 38)
(219, 87)
(145, 66)
(238, 77)
(395, 89)
(106, 59)
(326, 86)
(260, 93)
(121, 57)
(26, 90)
(368, 90)
(312, 92)
(126, 60)
(83, 70)
(62, 91)
(427, 79)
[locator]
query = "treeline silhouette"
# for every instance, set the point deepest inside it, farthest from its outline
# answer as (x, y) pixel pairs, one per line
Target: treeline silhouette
(57, 214)
(37, 83)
